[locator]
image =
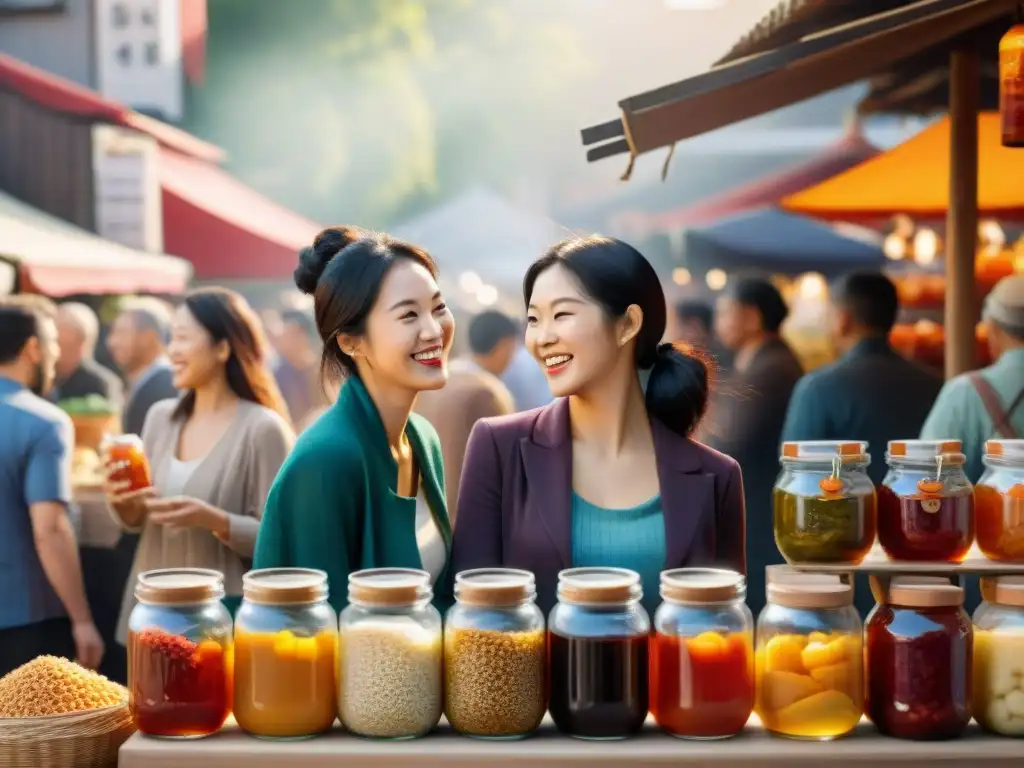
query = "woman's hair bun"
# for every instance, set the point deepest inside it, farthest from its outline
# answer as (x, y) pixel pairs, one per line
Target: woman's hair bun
(313, 260)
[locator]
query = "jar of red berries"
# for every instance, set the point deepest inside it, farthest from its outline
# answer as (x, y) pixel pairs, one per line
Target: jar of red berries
(919, 659)
(180, 677)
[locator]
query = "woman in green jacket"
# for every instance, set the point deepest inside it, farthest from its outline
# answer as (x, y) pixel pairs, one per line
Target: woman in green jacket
(364, 485)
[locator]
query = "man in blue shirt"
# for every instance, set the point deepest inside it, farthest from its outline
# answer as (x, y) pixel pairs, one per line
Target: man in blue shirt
(871, 392)
(43, 607)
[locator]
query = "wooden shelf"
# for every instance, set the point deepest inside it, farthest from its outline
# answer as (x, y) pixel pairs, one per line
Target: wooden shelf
(878, 563)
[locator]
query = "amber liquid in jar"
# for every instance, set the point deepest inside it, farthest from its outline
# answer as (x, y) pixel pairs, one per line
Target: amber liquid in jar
(1011, 86)
(919, 662)
(999, 502)
(126, 455)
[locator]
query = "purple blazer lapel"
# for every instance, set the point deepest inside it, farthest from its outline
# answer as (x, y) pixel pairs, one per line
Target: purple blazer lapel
(547, 460)
(687, 493)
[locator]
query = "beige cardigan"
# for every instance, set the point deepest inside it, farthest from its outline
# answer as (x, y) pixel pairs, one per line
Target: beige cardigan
(234, 476)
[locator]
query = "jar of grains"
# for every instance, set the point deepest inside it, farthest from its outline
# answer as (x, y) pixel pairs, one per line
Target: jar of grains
(598, 654)
(390, 674)
(702, 654)
(180, 654)
(494, 655)
(286, 651)
(998, 684)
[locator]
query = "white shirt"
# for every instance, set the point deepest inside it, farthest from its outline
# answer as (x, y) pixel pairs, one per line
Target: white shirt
(429, 540)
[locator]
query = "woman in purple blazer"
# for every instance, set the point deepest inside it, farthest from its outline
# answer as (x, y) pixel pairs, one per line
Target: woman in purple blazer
(607, 474)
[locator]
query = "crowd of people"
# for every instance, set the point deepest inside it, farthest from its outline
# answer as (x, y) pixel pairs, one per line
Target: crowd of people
(607, 430)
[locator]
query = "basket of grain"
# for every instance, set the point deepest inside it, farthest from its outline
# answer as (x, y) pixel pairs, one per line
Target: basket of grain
(56, 714)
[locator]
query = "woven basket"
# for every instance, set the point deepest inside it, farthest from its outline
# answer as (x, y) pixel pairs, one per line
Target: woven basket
(87, 739)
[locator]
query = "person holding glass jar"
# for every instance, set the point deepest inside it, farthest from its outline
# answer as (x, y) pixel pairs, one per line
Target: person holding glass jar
(213, 453)
(364, 487)
(608, 474)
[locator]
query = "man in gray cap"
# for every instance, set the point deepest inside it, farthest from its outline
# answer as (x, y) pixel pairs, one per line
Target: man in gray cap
(989, 403)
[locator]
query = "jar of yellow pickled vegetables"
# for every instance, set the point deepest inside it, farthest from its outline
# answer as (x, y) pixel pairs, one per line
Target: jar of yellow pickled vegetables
(809, 658)
(823, 503)
(286, 649)
(999, 656)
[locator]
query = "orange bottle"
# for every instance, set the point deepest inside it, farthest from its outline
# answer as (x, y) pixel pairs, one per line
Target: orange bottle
(125, 453)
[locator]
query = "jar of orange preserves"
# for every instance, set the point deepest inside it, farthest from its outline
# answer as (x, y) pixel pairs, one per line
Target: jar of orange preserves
(702, 654)
(286, 648)
(127, 458)
(999, 502)
(810, 658)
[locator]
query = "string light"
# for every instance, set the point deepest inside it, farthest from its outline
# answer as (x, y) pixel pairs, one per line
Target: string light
(681, 276)
(716, 279)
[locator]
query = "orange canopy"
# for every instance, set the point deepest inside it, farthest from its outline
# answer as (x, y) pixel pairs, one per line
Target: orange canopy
(913, 178)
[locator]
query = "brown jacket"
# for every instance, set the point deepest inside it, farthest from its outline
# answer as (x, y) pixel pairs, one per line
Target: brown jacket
(470, 394)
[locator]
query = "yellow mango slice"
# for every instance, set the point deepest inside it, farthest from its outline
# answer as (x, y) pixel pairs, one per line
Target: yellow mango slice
(837, 651)
(778, 690)
(305, 649)
(819, 637)
(284, 643)
(843, 677)
(782, 654)
(822, 715)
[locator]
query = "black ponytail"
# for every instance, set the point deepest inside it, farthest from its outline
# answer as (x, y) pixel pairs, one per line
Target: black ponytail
(615, 275)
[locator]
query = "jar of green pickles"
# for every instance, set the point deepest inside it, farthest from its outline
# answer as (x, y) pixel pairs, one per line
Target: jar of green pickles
(824, 503)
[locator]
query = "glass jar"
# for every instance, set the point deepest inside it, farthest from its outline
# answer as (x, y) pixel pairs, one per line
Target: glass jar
(127, 460)
(926, 502)
(702, 654)
(824, 502)
(179, 654)
(999, 502)
(919, 661)
(286, 651)
(598, 666)
(998, 701)
(390, 681)
(1011, 86)
(495, 653)
(809, 659)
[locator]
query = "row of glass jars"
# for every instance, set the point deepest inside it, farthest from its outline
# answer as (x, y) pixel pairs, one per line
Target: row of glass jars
(826, 509)
(286, 671)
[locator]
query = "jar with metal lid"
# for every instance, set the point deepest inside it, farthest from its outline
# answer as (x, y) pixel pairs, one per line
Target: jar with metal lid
(495, 653)
(702, 654)
(919, 645)
(126, 458)
(180, 654)
(390, 681)
(597, 654)
(998, 690)
(999, 502)
(824, 502)
(809, 658)
(926, 502)
(286, 653)
(1011, 85)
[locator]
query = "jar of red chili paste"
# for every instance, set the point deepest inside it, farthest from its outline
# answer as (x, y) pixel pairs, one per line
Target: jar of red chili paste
(180, 664)
(926, 502)
(919, 659)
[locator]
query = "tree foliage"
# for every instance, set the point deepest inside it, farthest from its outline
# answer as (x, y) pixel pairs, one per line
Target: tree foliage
(368, 111)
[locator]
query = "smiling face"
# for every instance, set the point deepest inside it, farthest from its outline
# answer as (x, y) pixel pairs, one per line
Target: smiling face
(408, 332)
(571, 336)
(195, 358)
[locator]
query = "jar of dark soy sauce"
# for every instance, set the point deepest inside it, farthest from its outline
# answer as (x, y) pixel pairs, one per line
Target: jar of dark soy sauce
(598, 654)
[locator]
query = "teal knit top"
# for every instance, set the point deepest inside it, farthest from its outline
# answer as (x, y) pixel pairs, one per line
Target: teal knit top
(623, 538)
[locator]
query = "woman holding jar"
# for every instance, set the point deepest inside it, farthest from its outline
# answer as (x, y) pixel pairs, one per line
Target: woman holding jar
(364, 486)
(213, 452)
(608, 474)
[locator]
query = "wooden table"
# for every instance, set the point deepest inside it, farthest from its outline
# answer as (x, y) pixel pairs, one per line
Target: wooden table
(547, 749)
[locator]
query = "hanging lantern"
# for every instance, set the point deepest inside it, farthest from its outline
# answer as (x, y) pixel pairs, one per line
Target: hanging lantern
(1011, 84)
